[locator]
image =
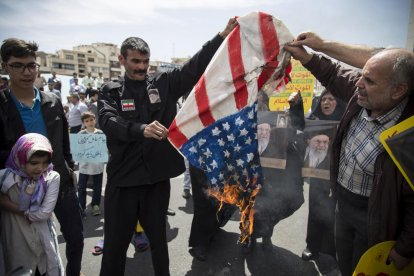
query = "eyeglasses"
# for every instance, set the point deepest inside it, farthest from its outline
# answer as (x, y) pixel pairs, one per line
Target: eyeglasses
(20, 67)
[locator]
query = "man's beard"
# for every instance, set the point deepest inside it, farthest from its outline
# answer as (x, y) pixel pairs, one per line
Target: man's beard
(316, 157)
(262, 145)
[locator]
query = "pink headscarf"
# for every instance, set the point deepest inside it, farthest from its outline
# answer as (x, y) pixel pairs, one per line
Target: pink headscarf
(20, 154)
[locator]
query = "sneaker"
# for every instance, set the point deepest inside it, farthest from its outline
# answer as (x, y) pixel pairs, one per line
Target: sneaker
(307, 254)
(140, 241)
(186, 193)
(199, 252)
(170, 212)
(95, 210)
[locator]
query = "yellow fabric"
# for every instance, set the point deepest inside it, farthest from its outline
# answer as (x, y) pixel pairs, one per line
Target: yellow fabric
(139, 228)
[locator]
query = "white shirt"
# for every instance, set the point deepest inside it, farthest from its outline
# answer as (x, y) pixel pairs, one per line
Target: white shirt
(74, 114)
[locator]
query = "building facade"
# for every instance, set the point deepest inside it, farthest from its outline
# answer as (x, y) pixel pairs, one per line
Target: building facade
(95, 58)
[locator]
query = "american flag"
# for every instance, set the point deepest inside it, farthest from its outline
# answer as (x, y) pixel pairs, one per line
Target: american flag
(216, 127)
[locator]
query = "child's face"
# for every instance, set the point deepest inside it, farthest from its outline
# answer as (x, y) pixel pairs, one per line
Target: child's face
(36, 166)
(89, 122)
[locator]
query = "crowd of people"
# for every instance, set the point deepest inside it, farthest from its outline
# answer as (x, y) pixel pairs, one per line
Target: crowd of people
(353, 203)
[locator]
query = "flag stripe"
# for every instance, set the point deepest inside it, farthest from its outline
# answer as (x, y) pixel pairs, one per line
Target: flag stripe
(179, 138)
(203, 104)
(270, 46)
(237, 69)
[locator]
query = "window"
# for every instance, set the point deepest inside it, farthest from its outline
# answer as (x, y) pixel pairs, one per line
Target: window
(70, 57)
(65, 66)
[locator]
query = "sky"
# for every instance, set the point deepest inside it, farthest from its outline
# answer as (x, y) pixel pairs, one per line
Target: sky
(178, 28)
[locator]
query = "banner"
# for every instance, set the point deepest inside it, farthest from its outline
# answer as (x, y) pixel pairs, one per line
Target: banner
(89, 148)
(301, 80)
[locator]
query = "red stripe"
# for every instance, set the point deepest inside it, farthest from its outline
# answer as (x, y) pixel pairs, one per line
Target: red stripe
(270, 47)
(203, 103)
(176, 137)
(237, 68)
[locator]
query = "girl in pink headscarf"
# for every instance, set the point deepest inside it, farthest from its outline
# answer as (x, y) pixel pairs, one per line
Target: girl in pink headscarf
(28, 192)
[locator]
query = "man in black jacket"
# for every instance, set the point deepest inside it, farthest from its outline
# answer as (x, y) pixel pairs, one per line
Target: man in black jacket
(142, 161)
(24, 109)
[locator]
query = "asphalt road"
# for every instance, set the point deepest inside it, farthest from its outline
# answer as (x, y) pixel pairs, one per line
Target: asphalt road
(224, 257)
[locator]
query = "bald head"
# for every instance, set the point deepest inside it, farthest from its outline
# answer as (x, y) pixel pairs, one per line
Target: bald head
(387, 79)
(400, 63)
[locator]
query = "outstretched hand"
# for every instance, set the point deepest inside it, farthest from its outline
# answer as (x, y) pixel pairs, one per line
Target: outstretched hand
(308, 39)
(156, 130)
(229, 27)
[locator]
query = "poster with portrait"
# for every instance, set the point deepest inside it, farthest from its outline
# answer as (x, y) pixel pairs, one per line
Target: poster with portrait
(272, 134)
(318, 135)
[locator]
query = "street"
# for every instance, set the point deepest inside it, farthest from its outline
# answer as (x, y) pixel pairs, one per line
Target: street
(224, 256)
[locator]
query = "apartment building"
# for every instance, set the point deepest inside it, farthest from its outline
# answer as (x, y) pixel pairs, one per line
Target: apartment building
(94, 58)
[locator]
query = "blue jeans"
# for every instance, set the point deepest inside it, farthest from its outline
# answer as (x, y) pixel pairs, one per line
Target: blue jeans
(97, 189)
(67, 212)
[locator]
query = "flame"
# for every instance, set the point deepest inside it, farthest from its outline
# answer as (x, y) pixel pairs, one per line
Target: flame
(244, 200)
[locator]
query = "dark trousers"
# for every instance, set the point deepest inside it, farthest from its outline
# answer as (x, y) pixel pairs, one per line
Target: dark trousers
(351, 235)
(321, 218)
(205, 222)
(124, 206)
(97, 189)
(75, 129)
(67, 212)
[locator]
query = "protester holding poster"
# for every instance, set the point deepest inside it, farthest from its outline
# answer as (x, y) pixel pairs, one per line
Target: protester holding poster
(281, 157)
(374, 202)
(320, 243)
(320, 231)
(88, 169)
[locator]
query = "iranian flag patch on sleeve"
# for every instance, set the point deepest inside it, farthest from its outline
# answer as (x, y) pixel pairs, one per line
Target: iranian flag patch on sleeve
(128, 105)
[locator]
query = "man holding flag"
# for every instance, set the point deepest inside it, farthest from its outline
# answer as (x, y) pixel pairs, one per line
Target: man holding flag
(141, 160)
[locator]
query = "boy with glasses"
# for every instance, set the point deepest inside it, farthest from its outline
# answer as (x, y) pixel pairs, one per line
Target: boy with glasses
(25, 109)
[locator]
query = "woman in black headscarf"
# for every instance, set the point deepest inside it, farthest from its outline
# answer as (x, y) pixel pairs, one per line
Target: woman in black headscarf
(328, 108)
(320, 230)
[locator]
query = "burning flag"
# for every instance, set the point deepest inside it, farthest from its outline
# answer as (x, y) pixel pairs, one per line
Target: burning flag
(216, 129)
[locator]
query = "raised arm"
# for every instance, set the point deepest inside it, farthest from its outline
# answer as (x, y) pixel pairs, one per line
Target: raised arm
(354, 55)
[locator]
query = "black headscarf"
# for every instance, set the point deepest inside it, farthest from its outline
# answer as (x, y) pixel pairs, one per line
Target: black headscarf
(335, 116)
